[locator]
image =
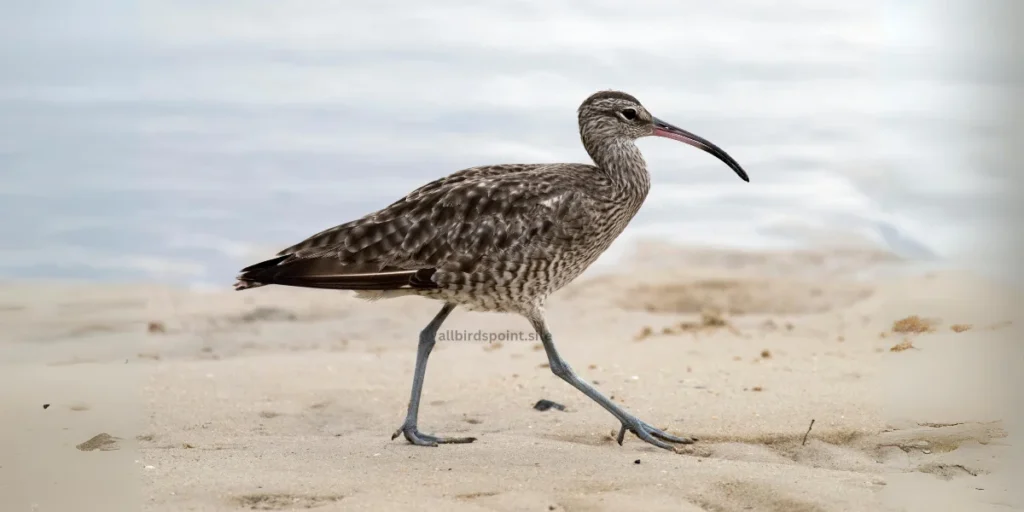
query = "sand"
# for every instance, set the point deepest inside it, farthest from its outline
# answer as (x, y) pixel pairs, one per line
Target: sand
(129, 397)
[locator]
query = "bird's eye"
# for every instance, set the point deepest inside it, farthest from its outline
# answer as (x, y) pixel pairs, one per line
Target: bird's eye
(629, 113)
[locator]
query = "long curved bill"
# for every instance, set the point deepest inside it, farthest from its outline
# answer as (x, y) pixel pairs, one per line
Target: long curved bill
(663, 129)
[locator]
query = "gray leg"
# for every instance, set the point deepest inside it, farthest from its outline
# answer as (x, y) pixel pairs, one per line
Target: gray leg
(629, 422)
(427, 339)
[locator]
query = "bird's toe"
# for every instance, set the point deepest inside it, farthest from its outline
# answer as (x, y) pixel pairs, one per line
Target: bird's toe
(414, 436)
(651, 435)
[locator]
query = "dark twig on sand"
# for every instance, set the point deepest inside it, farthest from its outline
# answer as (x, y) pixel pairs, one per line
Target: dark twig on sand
(545, 404)
(804, 442)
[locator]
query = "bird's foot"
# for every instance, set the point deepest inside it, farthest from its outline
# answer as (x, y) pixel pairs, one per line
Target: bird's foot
(650, 434)
(414, 436)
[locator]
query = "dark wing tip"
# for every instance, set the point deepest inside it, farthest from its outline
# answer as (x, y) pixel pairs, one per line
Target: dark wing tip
(325, 272)
(248, 276)
(265, 264)
(422, 279)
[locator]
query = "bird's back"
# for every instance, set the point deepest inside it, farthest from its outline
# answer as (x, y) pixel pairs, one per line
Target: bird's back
(470, 213)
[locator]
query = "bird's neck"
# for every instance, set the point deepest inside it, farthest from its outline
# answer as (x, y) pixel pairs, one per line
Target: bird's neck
(624, 166)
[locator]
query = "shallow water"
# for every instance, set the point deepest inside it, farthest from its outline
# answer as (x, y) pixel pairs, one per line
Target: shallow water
(173, 143)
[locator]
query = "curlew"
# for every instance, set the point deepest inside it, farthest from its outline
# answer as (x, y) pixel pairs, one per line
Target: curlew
(495, 238)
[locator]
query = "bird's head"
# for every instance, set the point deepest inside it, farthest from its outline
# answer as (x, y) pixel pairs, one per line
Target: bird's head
(611, 115)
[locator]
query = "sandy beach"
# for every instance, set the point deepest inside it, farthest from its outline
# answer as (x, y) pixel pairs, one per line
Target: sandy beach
(121, 397)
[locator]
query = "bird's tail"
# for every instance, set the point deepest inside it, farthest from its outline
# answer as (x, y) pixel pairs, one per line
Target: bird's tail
(328, 273)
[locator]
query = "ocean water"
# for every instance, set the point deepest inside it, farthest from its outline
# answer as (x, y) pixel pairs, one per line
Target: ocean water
(175, 141)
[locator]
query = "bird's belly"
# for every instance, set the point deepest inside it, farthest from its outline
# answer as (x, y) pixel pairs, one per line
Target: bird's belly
(517, 283)
(567, 268)
(521, 280)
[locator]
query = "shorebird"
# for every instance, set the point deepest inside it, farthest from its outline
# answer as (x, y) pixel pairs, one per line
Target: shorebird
(495, 238)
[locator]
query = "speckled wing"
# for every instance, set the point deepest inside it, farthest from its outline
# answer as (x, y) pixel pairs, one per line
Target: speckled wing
(445, 228)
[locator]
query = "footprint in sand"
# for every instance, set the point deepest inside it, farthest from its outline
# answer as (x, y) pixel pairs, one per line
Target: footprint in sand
(265, 501)
(103, 442)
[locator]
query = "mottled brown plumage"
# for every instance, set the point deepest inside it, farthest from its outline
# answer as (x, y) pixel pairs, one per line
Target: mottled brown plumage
(494, 238)
(480, 226)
